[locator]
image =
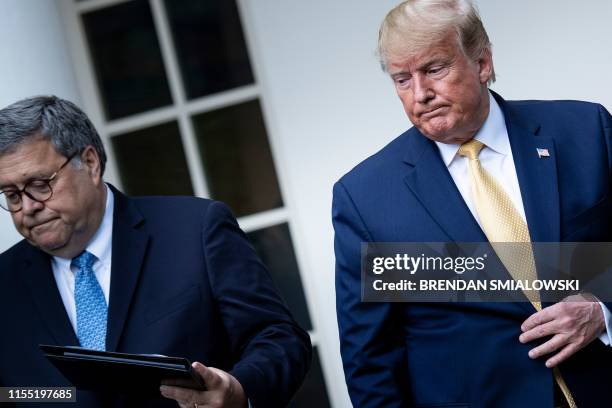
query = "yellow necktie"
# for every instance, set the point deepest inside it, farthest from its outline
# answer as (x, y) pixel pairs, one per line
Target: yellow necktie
(502, 224)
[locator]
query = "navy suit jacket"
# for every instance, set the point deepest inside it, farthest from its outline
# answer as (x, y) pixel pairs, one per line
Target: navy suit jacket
(184, 282)
(468, 354)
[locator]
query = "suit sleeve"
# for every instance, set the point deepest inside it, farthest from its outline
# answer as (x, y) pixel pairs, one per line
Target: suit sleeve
(273, 352)
(372, 346)
(606, 124)
(606, 120)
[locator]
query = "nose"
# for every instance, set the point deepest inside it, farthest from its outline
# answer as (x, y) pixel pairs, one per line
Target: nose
(30, 206)
(421, 88)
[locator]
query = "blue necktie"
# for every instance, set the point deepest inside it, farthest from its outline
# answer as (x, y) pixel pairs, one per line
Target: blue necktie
(91, 309)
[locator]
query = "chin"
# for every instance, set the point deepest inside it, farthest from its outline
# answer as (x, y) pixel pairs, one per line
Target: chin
(439, 136)
(442, 132)
(48, 245)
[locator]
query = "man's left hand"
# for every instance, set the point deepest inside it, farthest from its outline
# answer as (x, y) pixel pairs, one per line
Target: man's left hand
(222, 390)
(573, 323)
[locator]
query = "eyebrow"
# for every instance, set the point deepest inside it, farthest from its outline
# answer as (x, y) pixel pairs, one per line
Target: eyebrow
(7, 187)
(28, 180)
(400, 73)
(436, 59)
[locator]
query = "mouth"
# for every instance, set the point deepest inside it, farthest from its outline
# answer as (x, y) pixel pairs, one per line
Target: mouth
(433, 112)
(40, 225)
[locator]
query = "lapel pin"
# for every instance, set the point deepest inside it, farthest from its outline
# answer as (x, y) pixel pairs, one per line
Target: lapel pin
(542, 153)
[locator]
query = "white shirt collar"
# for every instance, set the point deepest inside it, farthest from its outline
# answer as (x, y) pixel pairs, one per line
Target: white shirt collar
(493, 134)
(100, 244)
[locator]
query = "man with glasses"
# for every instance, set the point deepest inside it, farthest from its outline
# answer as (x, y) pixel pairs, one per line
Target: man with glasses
(173, 276)
(37, 189)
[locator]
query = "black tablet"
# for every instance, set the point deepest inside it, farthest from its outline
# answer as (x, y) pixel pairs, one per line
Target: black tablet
(121, 373)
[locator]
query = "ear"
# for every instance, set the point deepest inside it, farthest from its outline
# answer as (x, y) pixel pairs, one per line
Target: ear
(91, 163)
(485, 66)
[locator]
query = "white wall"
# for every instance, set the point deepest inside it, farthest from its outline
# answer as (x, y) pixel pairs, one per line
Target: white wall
(551, 49)
(33, 61)
(331, 106)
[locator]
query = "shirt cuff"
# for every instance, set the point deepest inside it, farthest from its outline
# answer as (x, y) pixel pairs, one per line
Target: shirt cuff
(606, 336)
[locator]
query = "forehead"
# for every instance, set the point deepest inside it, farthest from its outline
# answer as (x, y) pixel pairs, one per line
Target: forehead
(444, 50)
(29, 160)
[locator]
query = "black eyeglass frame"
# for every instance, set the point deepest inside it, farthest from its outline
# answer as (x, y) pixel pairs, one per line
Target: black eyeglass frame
(25, 191)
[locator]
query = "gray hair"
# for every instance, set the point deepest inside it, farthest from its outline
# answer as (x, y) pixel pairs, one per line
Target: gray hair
(414, 25)
(57, 120)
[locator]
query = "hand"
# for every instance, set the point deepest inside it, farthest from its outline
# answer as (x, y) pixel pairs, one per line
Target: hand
(573, 323)
(222, 390)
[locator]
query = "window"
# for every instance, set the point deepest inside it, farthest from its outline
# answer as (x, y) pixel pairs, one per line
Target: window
(172, 89)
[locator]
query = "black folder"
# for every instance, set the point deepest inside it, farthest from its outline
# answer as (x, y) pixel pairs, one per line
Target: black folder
(120, 373)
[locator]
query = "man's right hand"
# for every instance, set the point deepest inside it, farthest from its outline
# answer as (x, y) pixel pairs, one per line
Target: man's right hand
(222, 390)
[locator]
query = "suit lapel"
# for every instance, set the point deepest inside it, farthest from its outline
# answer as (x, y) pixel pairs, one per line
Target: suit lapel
(537, 176)
(129, 248)
(38, 277)
(429, 180)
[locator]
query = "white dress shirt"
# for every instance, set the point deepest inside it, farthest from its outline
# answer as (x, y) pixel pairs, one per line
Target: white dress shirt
(496, 158)
(101, 247)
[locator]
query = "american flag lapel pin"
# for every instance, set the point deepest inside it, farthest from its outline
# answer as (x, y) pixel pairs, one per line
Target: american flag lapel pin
(542, 152)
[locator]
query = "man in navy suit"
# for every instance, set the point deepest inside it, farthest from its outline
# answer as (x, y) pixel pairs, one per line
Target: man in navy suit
(155, 275)
(553, 161)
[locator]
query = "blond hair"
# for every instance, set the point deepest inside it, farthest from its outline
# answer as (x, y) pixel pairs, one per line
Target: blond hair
(415, 25)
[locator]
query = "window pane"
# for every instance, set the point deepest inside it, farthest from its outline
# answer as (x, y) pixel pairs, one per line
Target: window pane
(236, 155)
(127, 59)
(210, 45)
(152, 161)
(274, 247)
(313, 392)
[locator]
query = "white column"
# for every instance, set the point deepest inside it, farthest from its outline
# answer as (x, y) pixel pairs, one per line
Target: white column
(34, 60)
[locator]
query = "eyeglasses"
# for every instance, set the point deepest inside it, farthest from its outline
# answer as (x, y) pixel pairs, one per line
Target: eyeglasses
(37, 189)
